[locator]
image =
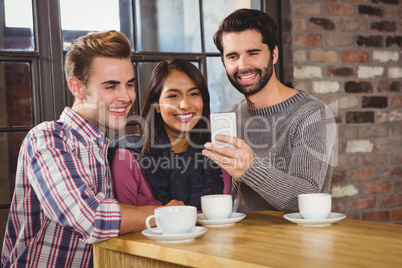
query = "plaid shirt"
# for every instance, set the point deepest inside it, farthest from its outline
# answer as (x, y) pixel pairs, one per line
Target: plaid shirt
(63, 199)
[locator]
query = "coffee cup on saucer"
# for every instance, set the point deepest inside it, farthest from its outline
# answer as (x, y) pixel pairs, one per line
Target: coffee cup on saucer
(173, 219)
(315, 206)
(216, 206)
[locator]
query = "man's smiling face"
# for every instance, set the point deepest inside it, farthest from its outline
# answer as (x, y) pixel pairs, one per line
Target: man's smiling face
(109, 94)
(248, 61)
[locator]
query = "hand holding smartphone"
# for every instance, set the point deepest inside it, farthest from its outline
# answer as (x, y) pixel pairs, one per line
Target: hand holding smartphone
(223, 124)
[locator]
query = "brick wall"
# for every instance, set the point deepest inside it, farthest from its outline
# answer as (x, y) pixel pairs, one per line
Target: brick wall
(348, 54)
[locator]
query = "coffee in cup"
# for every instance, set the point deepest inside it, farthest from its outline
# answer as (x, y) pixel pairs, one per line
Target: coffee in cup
(173, 219)
(315, 206)
(216, 206)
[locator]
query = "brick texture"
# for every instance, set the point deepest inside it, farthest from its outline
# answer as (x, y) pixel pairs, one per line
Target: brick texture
(363, 203)
(347, 102)
(393, 2)
(338, 176)
(358, 87)
(324, 56)
(354, 56)
(351, 25)
(359, 117)
(396, 158)
(374, 102)
(384, 26)
(393, 40)
(370, 41)
(398, 187)
(374, 159)
(348, 52)
(341, 72)
(313, 40)
(340, 10)
(397, 214)
(391, 201)
(305, 8)
(339, 40)
(364, 174)
(393, 172)
(389, 86)
(371, 11)
(397, 101)
(382, 216)
(322, 23)
(377, 187)
(392, 116)
(338, 206)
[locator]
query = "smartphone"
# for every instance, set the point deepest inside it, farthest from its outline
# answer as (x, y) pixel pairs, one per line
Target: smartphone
(223, 124)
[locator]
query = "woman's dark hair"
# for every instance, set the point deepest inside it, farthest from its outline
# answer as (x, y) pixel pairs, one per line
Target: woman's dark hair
(249, 19)
(154, 123)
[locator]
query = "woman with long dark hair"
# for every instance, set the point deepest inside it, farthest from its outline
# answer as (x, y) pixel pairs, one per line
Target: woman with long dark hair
(166, 162)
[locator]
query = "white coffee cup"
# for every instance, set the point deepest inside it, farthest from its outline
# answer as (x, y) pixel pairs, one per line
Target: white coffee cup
(216, 206)
(173, 219)
(315, 206)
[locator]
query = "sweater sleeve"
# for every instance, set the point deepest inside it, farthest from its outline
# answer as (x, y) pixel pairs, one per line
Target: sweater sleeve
(130, 186)
(124, 171)
(311, 140)
(227, 181)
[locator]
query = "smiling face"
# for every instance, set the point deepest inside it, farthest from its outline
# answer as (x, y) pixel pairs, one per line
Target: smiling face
(109, 94)
(248, 61)
(180, 104)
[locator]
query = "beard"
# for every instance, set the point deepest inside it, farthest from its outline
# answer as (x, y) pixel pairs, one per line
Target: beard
(265, 75)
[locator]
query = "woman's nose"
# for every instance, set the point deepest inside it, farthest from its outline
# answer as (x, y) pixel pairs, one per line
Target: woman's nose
(184, 104)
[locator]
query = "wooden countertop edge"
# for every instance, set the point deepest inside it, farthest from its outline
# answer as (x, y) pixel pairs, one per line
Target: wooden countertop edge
(139, 245)
(172, 255)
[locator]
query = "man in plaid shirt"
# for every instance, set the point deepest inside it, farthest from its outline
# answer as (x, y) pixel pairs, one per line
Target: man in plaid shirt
(63, 199)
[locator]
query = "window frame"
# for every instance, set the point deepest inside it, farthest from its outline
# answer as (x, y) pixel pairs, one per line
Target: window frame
(47, 71)
(50, 93)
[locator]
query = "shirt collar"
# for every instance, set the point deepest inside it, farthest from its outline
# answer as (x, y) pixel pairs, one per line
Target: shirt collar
(83, 126)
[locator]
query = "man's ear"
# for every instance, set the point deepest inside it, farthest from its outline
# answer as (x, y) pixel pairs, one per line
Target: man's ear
(76, 87)
(275, 55)
(156, 107)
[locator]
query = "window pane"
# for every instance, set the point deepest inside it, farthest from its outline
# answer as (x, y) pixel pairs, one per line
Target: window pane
(16, 26)
(104, 15)
(145, 76)
(223, 94)
(15, 94)
(10, 143)
(215, 11)
(168, 25)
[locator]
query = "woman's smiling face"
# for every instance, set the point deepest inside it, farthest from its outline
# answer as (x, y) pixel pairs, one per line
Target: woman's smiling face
(180, 104)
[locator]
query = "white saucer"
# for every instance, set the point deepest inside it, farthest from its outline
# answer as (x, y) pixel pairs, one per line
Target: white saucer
(297, 218)
(175, 238)
(235, 217)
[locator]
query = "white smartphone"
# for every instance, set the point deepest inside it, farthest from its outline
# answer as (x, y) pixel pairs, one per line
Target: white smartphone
(223, 124)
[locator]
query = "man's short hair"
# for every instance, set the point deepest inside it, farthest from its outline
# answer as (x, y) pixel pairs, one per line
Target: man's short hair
(79, 57)
(249, 19)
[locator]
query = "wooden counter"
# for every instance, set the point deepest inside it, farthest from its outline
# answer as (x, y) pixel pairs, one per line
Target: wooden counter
(263, 239)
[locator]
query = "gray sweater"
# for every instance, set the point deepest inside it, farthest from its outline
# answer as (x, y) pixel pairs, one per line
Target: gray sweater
(293, 144)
